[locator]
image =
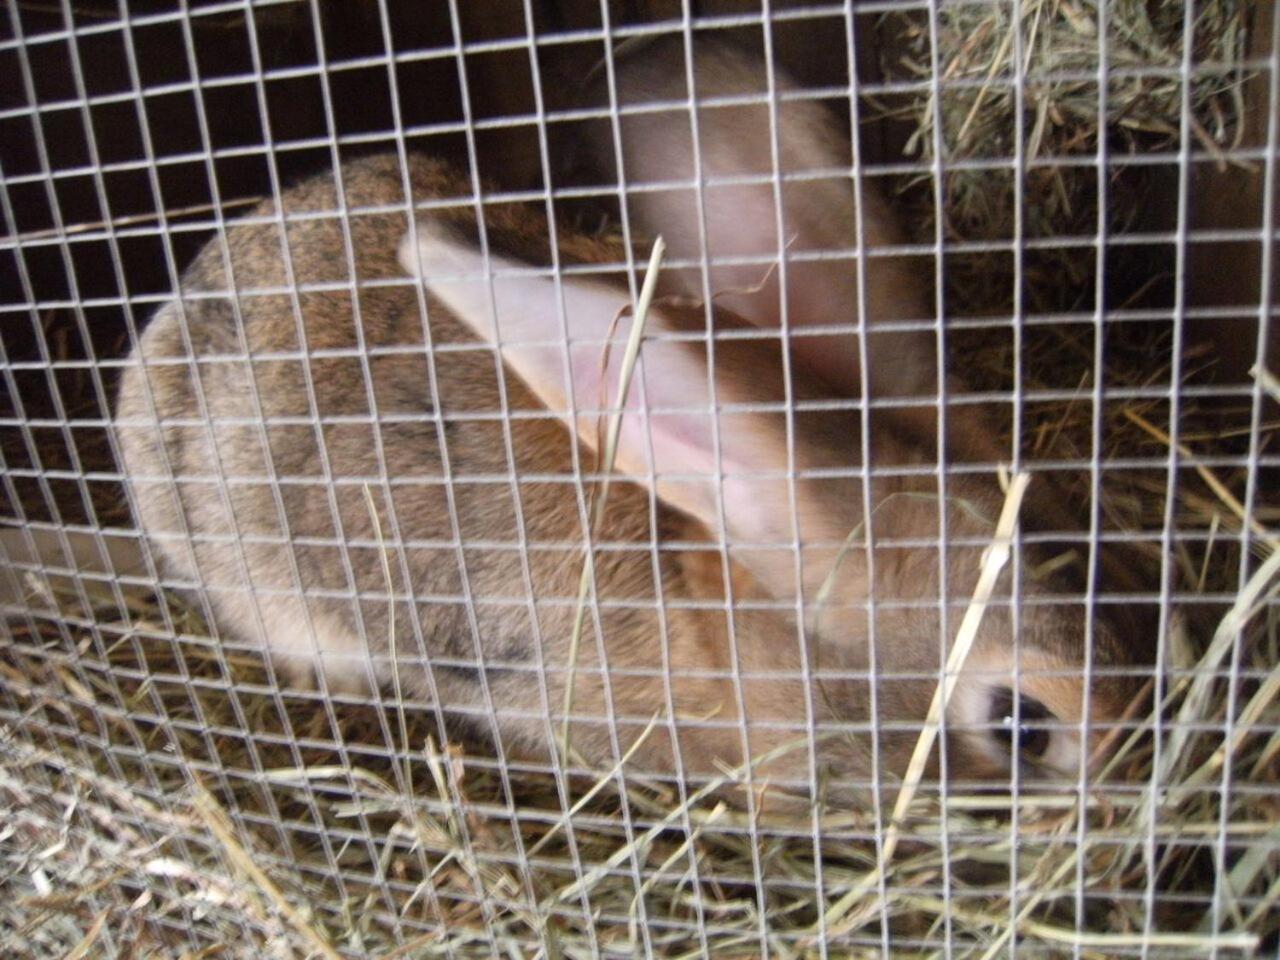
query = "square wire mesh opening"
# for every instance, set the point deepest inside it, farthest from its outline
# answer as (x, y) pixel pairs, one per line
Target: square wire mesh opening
(917, 596)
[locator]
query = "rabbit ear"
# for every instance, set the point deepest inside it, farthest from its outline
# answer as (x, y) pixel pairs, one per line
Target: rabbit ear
(742, 219)
(671, 438)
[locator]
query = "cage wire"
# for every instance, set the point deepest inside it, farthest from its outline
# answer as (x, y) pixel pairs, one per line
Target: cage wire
(1087, 196)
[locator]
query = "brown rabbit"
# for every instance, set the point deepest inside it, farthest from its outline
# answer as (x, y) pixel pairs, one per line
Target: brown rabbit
(305, 432)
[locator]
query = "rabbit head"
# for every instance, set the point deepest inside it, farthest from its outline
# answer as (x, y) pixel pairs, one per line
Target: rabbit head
(746, 165)
(842, 602)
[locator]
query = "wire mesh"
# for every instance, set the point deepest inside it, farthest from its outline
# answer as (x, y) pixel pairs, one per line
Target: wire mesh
(283, 664)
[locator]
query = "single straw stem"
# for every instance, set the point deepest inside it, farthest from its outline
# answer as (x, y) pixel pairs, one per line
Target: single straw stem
(993, 561)
(629, 359)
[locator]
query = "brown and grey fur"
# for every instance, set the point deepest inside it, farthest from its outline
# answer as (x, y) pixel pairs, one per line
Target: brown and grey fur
(226, 491)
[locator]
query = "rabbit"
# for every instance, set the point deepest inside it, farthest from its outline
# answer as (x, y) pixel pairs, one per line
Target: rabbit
(336, 472)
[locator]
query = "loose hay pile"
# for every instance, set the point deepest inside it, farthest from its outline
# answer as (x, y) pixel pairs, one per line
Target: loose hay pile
(162, 796)
(1033, 96)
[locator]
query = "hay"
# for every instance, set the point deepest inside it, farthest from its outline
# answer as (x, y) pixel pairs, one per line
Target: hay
(976, 117)
(1060, 96)
(160, 796)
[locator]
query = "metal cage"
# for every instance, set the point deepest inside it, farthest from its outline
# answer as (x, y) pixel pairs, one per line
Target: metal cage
(1086, 197)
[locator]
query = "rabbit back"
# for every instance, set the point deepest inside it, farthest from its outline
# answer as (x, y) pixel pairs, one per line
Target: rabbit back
(261, 474)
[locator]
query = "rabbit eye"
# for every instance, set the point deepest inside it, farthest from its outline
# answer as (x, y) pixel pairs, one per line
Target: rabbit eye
(1033, 733)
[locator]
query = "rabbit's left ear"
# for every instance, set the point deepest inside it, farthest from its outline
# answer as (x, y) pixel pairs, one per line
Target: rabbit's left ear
(697, 457)
(740, 183)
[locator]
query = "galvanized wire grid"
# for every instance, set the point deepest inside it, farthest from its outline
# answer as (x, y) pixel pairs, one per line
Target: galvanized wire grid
(233, 793)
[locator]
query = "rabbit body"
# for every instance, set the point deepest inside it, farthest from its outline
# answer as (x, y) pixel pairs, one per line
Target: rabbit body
(304, 453)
